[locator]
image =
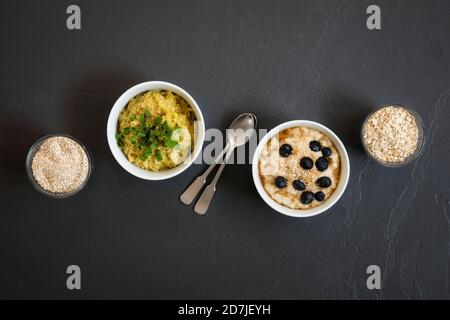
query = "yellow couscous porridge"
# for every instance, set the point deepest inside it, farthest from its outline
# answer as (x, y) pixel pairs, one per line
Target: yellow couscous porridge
(156, 130)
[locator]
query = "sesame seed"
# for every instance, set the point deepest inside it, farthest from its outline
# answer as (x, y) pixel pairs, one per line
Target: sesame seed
(60, 165)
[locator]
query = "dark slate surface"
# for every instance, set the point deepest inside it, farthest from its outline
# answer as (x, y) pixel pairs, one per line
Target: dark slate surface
(282, 60)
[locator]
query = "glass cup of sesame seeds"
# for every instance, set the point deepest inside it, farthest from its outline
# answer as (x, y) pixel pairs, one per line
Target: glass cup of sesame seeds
(58, 165)
(393, 135)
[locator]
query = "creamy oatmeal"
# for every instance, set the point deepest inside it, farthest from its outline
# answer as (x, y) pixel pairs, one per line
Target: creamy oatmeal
(299, 168)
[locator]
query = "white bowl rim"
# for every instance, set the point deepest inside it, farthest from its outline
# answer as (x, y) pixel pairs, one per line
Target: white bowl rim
(343, 180)
(111, 130)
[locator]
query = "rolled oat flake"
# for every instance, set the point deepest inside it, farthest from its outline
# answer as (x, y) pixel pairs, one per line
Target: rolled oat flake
(391, 134)
(60, 165)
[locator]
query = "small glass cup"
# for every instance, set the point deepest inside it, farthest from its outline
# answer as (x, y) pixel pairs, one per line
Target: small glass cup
(420, 141)
(59, 195)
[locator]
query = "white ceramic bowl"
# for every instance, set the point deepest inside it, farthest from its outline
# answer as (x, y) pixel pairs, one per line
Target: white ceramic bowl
(112, 129)
(345, 170)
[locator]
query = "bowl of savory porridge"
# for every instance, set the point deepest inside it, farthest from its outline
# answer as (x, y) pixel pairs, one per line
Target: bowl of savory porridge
(300, 168)
(155, 130)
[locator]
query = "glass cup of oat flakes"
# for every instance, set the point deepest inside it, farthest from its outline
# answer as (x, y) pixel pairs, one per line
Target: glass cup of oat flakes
(393, 135)
(58, 165)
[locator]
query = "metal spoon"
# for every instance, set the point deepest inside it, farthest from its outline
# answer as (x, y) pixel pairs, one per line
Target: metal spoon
(243, 122)
(242, 129)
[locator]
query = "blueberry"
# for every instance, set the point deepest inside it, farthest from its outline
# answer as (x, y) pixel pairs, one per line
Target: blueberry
(320, 196)
(298, 185)
(322, 164)
(280, 182)
(285, 150)
(306, 163)
(323, 182)
(326, 152)
(315, 146)
(307, 197)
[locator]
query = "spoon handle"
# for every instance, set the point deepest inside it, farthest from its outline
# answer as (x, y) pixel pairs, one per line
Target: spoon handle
(203, 202)
(194, 188)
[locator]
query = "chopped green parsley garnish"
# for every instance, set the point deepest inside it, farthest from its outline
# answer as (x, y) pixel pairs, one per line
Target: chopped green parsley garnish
(149, 135)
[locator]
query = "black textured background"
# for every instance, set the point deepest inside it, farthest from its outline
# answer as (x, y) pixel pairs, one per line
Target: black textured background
(282, 60)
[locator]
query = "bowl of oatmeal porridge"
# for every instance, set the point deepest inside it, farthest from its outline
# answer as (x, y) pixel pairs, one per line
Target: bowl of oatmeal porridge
(300, 168)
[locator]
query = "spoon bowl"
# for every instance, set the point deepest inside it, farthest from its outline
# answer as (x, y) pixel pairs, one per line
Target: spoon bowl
(241, 129)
